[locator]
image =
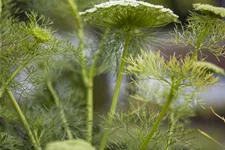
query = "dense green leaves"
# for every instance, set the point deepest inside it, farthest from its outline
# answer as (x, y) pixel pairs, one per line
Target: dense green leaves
(202, 33)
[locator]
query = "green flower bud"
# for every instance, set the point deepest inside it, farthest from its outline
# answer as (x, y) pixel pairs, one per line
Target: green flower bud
(41, 35)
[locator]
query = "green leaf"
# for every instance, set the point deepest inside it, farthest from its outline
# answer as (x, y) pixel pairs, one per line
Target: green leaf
(70, 145)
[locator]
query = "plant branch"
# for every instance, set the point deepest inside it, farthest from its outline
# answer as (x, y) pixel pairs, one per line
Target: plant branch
(80, 34)
(2, 89)
(209, 137)
(220, 117)
(90, 88)
(199, 42)
(62, 113)
(88, 82)
(116, 91)
(144, 144)
(23, 119)
(173, 122)
(96, 57)
(0, 9)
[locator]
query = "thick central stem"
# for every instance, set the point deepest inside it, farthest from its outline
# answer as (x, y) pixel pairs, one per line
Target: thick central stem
(116, 91)
(144, 144)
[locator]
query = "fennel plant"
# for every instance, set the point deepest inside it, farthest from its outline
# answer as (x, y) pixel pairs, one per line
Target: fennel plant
(47, 83)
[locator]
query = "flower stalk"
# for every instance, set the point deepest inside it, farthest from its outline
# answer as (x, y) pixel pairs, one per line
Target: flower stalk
(116, 91)
(90, 86)
(62, 113)
(88, 83)
(0, 8)
(23, 120)
(15, 73)
(162, 114)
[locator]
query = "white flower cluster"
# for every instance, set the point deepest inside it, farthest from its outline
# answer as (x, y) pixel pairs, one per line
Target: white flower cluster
(132, 3)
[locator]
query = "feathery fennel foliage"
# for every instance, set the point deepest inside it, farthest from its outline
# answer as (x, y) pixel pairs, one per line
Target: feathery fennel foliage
(22, 45)
(46, 83)
(203, 32)
(129, 129)
(176, 76)
(9, 142)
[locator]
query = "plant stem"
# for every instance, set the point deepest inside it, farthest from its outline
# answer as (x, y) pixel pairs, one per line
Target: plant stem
(2, 89)
(172, 127)
(96, 57)
(116, 92)
(90, 88)
(144, 144)
(80, 34)
(210, 138)
(200, 40)
(90, 110)
(0, 8)
(88, 82)
(23, 119)
(62, 113)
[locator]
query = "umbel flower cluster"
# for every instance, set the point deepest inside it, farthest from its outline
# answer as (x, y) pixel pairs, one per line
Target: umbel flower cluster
(128, 14)
(209, 9)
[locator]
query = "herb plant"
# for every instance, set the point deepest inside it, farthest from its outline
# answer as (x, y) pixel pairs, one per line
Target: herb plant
(48, 82)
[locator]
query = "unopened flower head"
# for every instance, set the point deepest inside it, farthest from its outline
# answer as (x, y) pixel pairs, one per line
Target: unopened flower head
(41, 35)
(128, 14)
(206, 8)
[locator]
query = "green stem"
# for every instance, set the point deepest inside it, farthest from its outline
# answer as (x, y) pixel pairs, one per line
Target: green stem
(172, 127)
(62, 113)
(90, 110)
(0, 8)
(88, 82)
(90, 88)
(116, 92)
(144, 144)
(2, 89)
(96, 57)
(23, 120)
(201, 39)
(80, 34)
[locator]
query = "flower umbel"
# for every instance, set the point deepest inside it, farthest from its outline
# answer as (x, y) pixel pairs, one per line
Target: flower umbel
(206, 8)
(128, 14)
